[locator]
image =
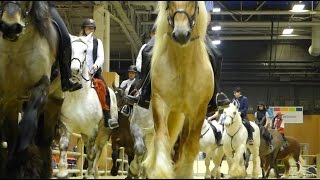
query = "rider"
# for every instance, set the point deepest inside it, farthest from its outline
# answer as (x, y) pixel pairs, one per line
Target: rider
(64, 51)
(132, 70)
(243, 108)
(261, 119)
(215, 58)
(278, 124)
(95, 60)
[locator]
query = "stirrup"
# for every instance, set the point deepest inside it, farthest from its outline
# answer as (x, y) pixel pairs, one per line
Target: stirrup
(125, 110)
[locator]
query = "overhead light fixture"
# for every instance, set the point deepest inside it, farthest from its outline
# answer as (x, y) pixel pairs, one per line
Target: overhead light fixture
(287, 31)
(216, 28)
(298, 8)
(216, 10)
(216, 42)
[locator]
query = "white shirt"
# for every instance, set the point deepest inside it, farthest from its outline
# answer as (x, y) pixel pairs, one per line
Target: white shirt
(139, 58)
(127, 83)
(100, 54)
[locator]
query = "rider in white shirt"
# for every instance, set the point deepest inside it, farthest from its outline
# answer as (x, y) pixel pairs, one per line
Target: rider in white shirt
(132, 77)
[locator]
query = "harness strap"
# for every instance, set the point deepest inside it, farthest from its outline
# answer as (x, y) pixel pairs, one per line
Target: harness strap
(233, 151)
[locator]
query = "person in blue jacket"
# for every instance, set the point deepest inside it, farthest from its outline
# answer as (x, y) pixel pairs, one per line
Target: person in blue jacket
(243, 108)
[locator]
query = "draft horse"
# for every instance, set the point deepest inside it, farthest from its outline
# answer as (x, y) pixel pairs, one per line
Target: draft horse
(235, 144)
(82, 113)
(28, 54)
(179, 64)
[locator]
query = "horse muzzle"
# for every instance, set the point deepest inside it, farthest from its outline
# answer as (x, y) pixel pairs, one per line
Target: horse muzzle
(181, 36)
(10, 32)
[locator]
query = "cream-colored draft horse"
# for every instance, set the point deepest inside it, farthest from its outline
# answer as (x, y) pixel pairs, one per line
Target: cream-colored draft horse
(81, 113)
(234, 138)
(180, 64)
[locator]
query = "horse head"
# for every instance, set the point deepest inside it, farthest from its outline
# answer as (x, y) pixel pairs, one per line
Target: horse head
(231, 115)
(79, 53)
(16, 15)
(120, 95)
(182, 18)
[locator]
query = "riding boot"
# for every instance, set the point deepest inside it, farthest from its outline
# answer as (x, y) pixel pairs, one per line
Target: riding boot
(268, 137)
(218, 137)
(108, 121)
(248, 127)
(64, 53)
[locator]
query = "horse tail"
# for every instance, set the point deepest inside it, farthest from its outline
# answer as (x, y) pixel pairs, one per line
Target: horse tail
(300, 165)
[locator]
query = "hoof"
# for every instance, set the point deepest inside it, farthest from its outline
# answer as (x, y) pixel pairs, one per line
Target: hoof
(62, 175)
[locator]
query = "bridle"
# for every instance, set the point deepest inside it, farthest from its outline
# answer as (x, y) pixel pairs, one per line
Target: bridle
(82, 63)
(201, 135)
(191, 19)
(25, 14)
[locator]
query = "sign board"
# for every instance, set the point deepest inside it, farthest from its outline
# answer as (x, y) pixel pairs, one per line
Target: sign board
(293, 114)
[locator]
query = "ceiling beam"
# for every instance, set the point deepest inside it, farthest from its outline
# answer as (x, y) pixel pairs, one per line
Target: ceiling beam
(126, 22)
(248, 12)
(255, 24)
(254, 38)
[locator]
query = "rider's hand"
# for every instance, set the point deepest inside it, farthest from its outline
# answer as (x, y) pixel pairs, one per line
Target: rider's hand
(95, 67)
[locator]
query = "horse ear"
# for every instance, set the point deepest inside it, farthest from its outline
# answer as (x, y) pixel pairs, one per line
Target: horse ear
(72, 37)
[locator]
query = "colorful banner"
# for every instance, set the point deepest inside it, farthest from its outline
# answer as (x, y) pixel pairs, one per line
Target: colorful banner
(290, 114)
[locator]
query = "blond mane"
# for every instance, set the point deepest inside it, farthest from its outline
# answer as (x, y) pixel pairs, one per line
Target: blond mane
(163, 28)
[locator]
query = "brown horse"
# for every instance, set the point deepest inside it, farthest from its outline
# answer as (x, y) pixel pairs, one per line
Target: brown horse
(28, 52)
(266, 152)
(121, 136)
(292, 151)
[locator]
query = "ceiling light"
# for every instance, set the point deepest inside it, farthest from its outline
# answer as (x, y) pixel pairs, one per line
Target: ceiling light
(287, 31)
(216, 10)
(216, 28)
(216, 42)
(298, 7)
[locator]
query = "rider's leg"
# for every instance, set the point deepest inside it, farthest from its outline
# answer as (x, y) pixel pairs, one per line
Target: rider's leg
(108, 120)
(215, 57)
(64, 54)
(248, 127)
(268, 137)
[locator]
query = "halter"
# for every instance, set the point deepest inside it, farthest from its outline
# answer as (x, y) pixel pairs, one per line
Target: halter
(231, 136)
(25, 14)
(190, 19)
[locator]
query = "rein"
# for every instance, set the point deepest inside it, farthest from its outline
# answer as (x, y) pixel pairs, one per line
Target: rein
(231, 136)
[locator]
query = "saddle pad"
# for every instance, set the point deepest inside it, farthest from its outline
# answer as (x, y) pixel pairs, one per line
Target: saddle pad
(101, 91)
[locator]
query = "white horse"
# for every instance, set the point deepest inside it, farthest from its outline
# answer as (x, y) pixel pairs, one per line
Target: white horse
(234, 138)
(209, 146)
(82, 113)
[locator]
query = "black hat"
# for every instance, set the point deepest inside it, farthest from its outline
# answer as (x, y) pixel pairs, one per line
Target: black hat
(237, 89)
(261, 103)
(132, 68)
(88, 23)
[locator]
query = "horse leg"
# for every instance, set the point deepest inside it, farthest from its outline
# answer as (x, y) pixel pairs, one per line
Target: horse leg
(137, 134)
(207, 163)
(238, 167)
(189, 143)
(286, 168)
(115, 155)
(158, 161)
(255, 162)
(90, 146)
(24, 160)
(63, 146)
(217, 160)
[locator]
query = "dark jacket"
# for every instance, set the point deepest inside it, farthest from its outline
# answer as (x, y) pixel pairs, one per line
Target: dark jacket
(243, 101)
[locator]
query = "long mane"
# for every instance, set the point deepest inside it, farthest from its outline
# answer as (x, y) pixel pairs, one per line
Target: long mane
(163, 28)
(40, 17)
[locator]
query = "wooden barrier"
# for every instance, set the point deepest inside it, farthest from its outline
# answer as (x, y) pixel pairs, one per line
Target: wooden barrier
(80, 155)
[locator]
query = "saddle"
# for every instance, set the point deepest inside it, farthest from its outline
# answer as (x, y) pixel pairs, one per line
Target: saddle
(101, 91)
(217, 135)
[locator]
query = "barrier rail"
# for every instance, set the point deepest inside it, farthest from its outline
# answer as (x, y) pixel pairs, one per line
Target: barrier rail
(80, 158)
